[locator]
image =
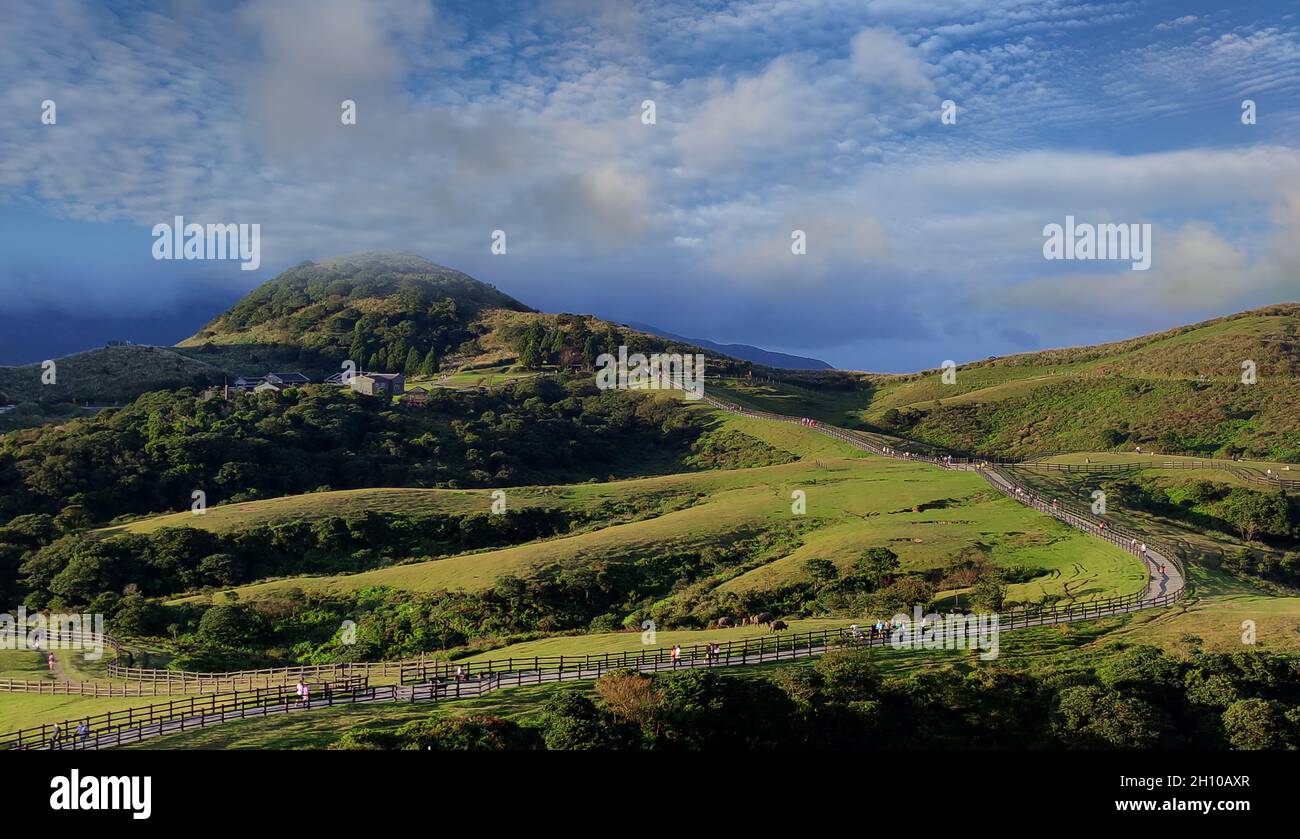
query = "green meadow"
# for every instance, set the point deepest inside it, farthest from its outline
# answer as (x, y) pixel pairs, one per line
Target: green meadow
(853, 501)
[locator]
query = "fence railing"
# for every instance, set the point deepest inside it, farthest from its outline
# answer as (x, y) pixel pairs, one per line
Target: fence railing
(1234, 469)
(179, 715)
(65, 687)
(267, 677)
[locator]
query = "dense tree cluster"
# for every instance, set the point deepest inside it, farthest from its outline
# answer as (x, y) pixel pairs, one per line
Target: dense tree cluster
(152, 455)
(573, 339)
(75, 569)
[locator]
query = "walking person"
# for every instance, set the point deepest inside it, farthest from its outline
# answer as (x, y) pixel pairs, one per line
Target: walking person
(56, 741)
(676, 655)
(83, 731)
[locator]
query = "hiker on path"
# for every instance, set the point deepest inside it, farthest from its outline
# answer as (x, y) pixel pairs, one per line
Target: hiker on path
(57, 740)
(677, 654)
(301, 690)
(51, 662)
(83, 731)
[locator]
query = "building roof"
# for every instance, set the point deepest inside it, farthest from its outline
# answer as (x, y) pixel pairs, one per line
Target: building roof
(289, 378)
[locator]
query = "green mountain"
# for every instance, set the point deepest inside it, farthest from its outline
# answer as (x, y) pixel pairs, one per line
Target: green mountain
(378, 309)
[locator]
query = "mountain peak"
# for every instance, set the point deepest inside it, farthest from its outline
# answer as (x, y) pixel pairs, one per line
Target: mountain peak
(318, 303)
(392, 260)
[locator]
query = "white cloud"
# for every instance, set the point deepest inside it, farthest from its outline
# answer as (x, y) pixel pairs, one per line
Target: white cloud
(752, 117)
(1185, 20)
(881, 57)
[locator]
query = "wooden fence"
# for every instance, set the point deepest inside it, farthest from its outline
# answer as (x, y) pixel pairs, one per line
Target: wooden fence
(1237, 471)
(98, 688)
(179, 715)
(248, 679)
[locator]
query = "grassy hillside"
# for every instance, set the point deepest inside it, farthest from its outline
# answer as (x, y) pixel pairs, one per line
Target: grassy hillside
(1176, 391)
(853, 502)
(107, 376)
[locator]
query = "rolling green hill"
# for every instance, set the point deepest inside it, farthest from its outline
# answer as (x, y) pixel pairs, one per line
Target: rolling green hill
(1175, 391)
(927, 516)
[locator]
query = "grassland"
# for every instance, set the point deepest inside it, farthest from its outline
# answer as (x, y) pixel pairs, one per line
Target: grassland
(853, 502)
(489, 376)
(24, 664)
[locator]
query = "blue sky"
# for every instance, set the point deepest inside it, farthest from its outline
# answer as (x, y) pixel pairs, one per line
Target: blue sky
(924, 239)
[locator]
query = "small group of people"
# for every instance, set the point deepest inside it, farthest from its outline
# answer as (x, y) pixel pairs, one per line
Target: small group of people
(874, 630)
(304, 693)
(81, 735)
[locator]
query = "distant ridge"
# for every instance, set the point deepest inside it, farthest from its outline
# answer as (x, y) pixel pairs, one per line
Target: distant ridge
(744, 352)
